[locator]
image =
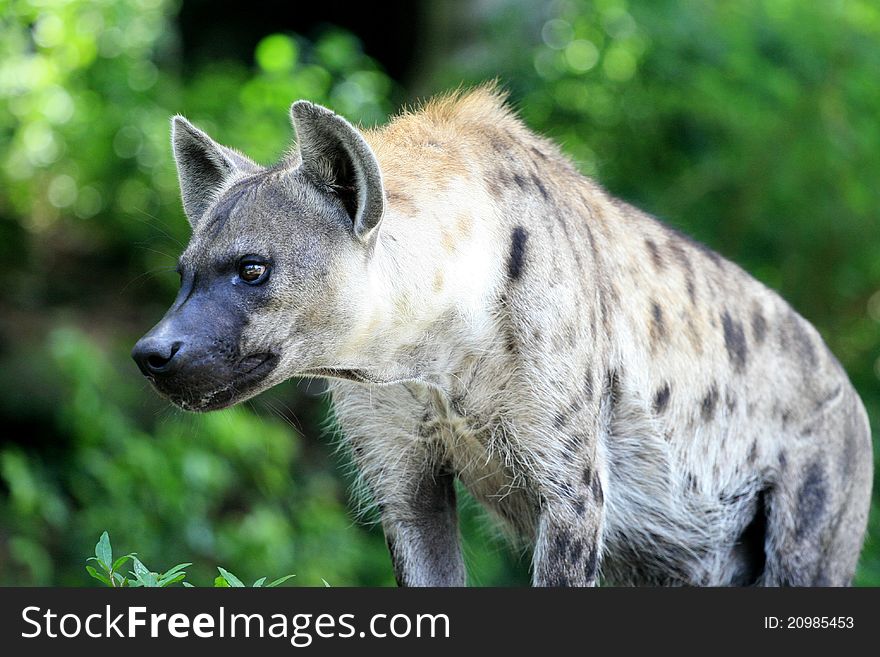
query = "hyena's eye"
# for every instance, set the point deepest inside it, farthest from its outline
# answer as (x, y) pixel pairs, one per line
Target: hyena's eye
(253, 270)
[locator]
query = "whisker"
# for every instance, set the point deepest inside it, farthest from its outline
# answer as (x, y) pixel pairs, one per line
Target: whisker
(162, 227)
(151, 272)
(144, 247)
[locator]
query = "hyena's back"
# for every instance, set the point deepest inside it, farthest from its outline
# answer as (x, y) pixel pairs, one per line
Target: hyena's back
(764, 446)
(624, 399)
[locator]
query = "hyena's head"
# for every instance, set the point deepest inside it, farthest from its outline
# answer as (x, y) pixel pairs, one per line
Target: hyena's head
(274, 279)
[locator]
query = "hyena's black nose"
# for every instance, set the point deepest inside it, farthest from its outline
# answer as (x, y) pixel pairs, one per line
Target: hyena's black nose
(155, 356)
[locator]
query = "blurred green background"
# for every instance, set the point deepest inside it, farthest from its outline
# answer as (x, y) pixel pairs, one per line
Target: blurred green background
(753, 125)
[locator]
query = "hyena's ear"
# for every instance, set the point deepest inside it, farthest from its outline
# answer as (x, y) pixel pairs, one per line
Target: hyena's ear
(203, 167)
(336, 156)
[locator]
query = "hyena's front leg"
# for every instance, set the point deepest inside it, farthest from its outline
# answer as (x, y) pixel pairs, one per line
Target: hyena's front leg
(569, 540)
(566, 474)
(421, 529)
(415, 494)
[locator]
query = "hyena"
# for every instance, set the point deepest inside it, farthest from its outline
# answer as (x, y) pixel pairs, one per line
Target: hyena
(629, 404)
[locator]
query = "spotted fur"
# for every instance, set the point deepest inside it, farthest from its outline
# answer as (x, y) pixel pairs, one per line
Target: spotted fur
(628, 403)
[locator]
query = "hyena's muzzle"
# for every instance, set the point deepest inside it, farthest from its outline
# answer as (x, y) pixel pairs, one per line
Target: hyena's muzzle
(193, 355)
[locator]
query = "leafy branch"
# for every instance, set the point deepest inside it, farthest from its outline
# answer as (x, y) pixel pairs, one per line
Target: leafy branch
(108, 571)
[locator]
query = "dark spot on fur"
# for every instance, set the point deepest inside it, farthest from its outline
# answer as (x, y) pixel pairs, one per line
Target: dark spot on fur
(517, 258)
(658, 326)
(612, 386)
(655, 254)
(794, 334)
(572, 445)
(499, 144)
(425, 428)
(596, 490)
(661, 398)
(759, 326)
(812, 501)
(591, 239)
(566, 489)
(734, 341)
(559, 420)
(730, 401)
(540, 186)
(783, 460)
(707, 406)
(574, 250)
(753, 453)
(785, 416)
(587, 477)
(520, 181)
(494, 183)
(591, 563)
(676, 248)
(456, 402)
(604, 310)
(510, 342)
(401, 200)
(588, 386)
(580, 505)
(559, 548)
(676, 234)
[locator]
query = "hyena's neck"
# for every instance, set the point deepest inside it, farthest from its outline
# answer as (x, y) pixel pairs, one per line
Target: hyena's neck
(468, 241)
(431, 279)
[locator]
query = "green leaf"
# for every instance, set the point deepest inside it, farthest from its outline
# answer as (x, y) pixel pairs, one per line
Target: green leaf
(220, 583)
(280, 580)
(326, 583)
(139, 567)
(104, 552)
(150, 580)
(121, 560)
(143, 575)
(188, 585)
(173, 580)
(259, 582)
(168, 574)
(98, 576)
(231, 579)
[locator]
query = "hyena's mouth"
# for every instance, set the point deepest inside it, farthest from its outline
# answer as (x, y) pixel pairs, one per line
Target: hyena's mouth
(245, 380)
(255, 362)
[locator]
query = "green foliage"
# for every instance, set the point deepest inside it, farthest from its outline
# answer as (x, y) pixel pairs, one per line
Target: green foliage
(110, 574)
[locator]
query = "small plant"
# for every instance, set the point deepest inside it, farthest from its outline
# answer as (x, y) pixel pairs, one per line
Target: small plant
(109, 571)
